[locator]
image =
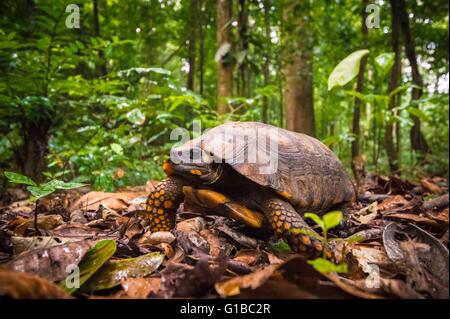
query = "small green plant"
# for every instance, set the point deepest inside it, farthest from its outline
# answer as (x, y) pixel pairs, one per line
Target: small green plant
(39, 190)
(327, 222)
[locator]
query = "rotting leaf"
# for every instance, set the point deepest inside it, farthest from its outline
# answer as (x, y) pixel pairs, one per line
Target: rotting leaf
(91, 262)
(111, 273)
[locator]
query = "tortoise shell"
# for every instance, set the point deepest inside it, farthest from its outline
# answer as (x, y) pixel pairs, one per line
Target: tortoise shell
(303, 170)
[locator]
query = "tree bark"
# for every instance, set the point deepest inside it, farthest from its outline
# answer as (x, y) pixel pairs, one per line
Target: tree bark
(243, 24)
(101, 67)
(418, 142)
(201, 33)
(31, 155)
(224, 63)
(266, 74)
(391, 148)
(193, 29)
(357, 159)
(298, 67)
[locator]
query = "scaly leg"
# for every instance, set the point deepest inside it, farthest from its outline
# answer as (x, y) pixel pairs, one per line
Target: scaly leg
(290, 226)
(163, 202)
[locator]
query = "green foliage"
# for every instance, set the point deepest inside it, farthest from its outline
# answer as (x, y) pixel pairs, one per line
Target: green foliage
(39, 191)
(324, 266)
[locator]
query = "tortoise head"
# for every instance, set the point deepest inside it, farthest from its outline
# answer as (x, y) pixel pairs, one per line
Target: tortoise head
(193, 164)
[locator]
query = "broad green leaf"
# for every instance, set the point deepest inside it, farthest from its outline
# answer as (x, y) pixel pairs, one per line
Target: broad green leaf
(19, 179)
(64, 185)
(112, 272)
(324, 266)
(384, 63)
(92, 261)
(332, 219)
(316, 219)
(135, 116)
(41, 191)
(346, 70)
(418, 113)
(117, 148)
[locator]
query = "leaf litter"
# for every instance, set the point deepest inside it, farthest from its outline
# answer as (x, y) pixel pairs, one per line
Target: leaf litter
(397, 248)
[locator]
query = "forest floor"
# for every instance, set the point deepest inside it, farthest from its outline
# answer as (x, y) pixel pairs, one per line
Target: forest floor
(401, 251)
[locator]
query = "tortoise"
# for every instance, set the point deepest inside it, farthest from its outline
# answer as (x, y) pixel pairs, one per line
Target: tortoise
(227, 169)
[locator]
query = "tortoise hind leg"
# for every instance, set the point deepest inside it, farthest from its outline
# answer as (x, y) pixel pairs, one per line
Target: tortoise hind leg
(223, 205)
(163, 202)
(290, 226)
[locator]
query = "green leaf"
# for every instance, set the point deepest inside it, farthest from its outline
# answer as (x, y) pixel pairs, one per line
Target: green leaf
(114, 271)
(418, 113)
(19, 179)
(316, 219)
(117, 148)
(92, 261)
(64, 185)
(332, 219)
(280, 246)
(346, 70)
(135, 116)
(384, 63)
(40, 191)
(324, 266)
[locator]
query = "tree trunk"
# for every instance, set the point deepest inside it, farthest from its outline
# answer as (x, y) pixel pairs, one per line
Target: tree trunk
(391, 148)
(202, 23)
(224, 63)
(101, 67)
(243, 22)
(31, 154)
(192, 27)
(298, 70)
(357, 159)
(418, 141)
(265, 107)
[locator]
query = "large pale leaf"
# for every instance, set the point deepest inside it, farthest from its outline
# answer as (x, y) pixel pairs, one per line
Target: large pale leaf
(346, 70)
(40, 191)
(135, 116)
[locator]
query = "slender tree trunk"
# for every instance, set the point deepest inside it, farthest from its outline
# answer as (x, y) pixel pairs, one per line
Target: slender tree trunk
(101, 67)
(193, 28)
(266, 74)
(31, 154)
(298, 67)
(202, 23)
(391, 150)
(243, 22)
(357, 158)
(224, 63)
(418, 141)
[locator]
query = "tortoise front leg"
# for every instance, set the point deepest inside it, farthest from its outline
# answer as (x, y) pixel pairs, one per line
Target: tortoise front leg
(290, 226)
(163, 202)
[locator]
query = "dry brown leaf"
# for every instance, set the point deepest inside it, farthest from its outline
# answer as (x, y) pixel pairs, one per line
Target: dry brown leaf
(430, 186)
(114, 201)
(233, 286)
(248, 256)
(392, 203)
(140, 288)
(45, 222)
(19, 285)
(156, 238)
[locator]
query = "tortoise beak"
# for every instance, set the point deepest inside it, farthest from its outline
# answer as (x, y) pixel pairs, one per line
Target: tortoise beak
(168, 168)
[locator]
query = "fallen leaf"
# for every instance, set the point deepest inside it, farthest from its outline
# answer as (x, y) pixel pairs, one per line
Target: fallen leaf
(140, 288)
(19, 285)
(111, 273)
